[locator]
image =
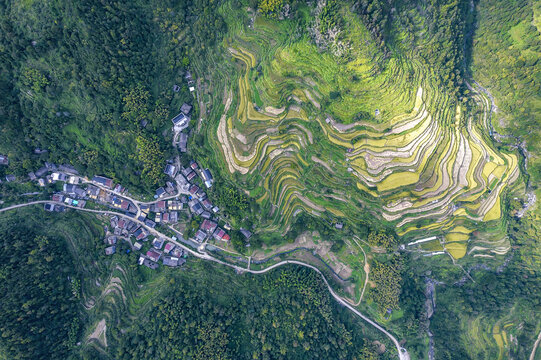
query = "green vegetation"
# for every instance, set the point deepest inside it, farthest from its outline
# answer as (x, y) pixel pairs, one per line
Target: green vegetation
(287, 313)
(507, 48)
(387, 278)
(336, 132)
(43, 283)
(80, 80)
(38, 303)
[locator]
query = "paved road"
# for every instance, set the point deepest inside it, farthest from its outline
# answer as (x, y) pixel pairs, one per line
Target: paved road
(402, 352)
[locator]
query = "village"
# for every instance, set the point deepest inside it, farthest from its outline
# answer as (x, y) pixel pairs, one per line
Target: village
(180, 199)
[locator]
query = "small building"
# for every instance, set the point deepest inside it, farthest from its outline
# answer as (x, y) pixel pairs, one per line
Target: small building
(150, 223)
(121, 224)
(168, 247)
(145, 208)
(93, 191)
(110, 250)
(153, 265)
(218, 234)
(108, 183)
(32, 176)
(195, 207)
(153, 255)
(177, 252)
(165, 217)
(207, 178)
(246, 233)
(49, 207)
(137, 246)
(193, 189)
(170, 170)
(58, 176)
(339, 225)
(208, 226)
(200, 235)
(206, 203)
(170, 188)
(183, 142)
(10, 178)
(191, 175)
(174, 205)
(58, 197)
(160, 206)
(186, 171)
(69, 189)
(160, 192)
(140, 234)
(157, 243)
(186, 108)
(4, 160)
(193, 165)
(173, 217)
(111, 240)
(170, 261)
(201, 194)
(180, 122)
(206, 215)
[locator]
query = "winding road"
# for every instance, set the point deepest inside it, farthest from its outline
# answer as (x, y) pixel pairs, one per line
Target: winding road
(402, 352)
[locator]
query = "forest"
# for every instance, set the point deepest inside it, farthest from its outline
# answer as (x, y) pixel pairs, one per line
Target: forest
(91, 83)
(40, 294)
(286, 313)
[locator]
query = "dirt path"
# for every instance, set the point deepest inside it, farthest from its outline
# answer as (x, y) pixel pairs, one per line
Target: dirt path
(532, 355)
(366, 269)
(99, 333)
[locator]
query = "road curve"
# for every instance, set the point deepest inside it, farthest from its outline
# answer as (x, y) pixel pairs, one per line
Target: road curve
(402, 352)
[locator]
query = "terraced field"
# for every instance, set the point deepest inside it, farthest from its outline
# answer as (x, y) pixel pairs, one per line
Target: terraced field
(304, 130)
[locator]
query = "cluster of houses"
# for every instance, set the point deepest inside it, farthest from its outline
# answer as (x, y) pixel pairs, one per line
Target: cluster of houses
(165, 211)
(123, 229)
(170, 255)
(198, 201)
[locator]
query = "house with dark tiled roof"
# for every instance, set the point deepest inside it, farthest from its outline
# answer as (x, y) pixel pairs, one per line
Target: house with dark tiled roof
(170, 261)
(183, 142)
(200, 235)
(186, 108)
(246, 233)
(106, 182)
